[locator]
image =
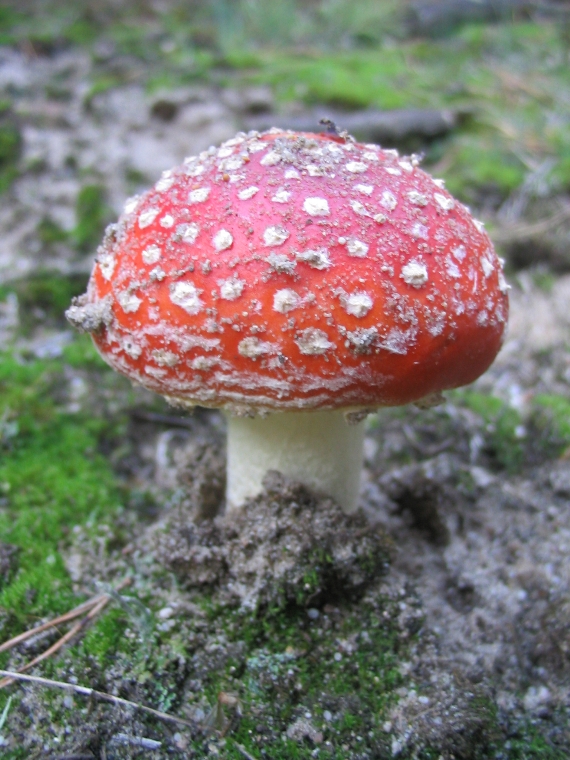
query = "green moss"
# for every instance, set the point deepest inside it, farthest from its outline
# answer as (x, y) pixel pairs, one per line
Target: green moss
(513, 439)
(10, 146)
(290, 663)
(49, 232)
(10, 20)
(104, 640)
(528, 743)
(101, 83)
(480, 167)
(51, 25)
(44, 297)
(503, 425)
(188, 66)
(82, 30)
(510, 438)
(286, 666)
(560, 408)
(52, 479)
(81, 353)
(16, 754)
(346, 79)
(92, 214)
(551, 419)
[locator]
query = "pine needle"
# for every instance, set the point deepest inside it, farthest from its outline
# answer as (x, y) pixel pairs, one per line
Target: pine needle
(94, 694)
(95, 606)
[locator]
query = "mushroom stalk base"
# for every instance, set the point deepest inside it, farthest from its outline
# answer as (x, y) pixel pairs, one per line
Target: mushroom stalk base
(318, 449)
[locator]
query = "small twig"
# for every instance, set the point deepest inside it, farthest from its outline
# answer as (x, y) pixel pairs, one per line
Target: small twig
(94, 694)
(243, 751)
(526, 231)
(137, 741)
(73, 631)
(163, 419)
(425, 451)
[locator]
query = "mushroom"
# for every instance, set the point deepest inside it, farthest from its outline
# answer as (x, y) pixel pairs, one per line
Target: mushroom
(297, 282)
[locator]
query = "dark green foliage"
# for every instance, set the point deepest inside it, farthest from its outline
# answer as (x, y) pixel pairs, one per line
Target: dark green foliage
(10, 18)
(44, 297)
(10, 146)
(91, 215)
(529, 743)
(50, 233)
(510, 438)
(551, 423)
(502, 426)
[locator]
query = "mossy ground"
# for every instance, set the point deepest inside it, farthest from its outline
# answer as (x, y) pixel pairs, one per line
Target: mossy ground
(343, 667)
(54, 479)
(51, 471)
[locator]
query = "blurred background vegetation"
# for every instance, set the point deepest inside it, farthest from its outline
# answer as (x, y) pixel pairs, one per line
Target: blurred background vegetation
(504, 66)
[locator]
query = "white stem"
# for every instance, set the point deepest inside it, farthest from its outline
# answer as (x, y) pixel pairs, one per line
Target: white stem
(318, 449)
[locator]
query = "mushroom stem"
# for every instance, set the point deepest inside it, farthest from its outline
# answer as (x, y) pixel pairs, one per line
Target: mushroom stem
(318, 449)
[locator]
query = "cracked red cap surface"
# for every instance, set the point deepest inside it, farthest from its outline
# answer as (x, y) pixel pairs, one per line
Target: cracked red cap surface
(286, 271)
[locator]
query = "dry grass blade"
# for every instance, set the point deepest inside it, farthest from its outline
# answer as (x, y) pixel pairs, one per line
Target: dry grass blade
(522, 232)
(94, 606)
(242, 750)
(94, 694)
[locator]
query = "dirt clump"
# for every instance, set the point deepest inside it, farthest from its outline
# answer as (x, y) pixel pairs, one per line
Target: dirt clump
(423, 493)
(201, 474)
(287, 546)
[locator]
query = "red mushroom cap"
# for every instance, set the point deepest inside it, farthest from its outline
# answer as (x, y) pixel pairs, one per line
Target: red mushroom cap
(287, 271)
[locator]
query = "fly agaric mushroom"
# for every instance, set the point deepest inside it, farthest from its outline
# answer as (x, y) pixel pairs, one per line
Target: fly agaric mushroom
(297, 282)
